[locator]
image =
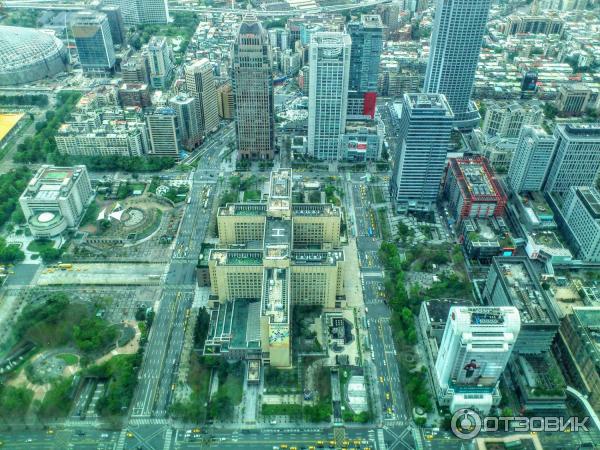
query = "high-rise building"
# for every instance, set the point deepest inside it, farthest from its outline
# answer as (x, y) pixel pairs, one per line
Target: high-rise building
(115, 22)
(136, 12)
(265, 264)
(328, 93)
(530, 160)
(581, 213)
(455, 44)
(187, 117)
(160, 62)
(163, 129)
(426, 122)
(93, 40)
(389, 16)
(576, 159)
(252, 81)
(475, 349)
(366, 35)
(154, 11)
(512, 281)
(200, 84)
(56, 199)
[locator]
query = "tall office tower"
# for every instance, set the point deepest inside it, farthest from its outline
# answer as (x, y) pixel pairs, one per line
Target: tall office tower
(94, 43)
(130, 10)
(328, 93)
(581, 212)
(455, 44)
(187, 115)
(476, 346)
(576, 159)
(163, 129)
(115, 22)
(426, 122)
(160, 61)
(200, 83)
(389, 16)
(366, 35)
(252, 80)
(154, 11)
(505, 119)
(530, 160)
(137, 12)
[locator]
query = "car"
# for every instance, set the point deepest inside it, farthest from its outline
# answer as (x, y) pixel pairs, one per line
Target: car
(29, 440)
(381, 379)
(129, 434)
(387, 395)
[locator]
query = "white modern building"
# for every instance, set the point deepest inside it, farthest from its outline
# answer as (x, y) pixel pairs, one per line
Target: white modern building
(56, 199)
(424, 124)
(200, 84)
(454, 53)
(576, 159)
(328, 93)
(505, 120)
(581, 212)
(475, 348)
(160, 62)
(530, 160)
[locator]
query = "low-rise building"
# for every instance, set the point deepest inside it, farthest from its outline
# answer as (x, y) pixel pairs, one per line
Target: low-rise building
(134, 94)
(484, 239)
(472, 189)
(56, 199)
(362, 140)
(577, 98)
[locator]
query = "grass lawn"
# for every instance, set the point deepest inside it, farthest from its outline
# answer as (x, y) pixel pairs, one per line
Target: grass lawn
(68, 358)
(251, 196)
(233, 386)
(40, 244)
(383, 224)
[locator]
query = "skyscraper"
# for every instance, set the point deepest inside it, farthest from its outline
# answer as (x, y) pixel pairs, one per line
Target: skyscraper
(530, 160)
(328, 93)
(160, 62)
(137, 12)
(455, 44)
(576, 159)
(200, 83)
(163, 129)
(94, 42)
(115, 22)
(367, 42)
(425, 126)
(187, 115)
(252, 80)
(476, 346)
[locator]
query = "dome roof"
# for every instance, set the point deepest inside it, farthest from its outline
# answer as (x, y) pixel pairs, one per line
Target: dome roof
(28, 49)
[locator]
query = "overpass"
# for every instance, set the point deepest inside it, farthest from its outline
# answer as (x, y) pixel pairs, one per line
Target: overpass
(586, 404)
(47, 5)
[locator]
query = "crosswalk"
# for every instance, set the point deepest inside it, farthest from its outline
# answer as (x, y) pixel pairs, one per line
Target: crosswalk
(136, 421)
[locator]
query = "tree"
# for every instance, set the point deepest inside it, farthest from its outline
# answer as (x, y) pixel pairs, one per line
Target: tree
(10, 254)
(14, 401)
(51, 255)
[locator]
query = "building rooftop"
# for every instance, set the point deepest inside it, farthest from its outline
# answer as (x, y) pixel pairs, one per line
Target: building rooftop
(237, 257)
(243, 209)
(315, 209)
(438, 309)
(588, 317)
(316, 257)
(475, 178)
(276, 297)
(277, 232)
(581, 131)
(428, 102)
(50, 182)
(524, 290)
(590, 198)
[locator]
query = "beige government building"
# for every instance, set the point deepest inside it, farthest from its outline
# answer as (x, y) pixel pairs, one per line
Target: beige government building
(271, 255)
